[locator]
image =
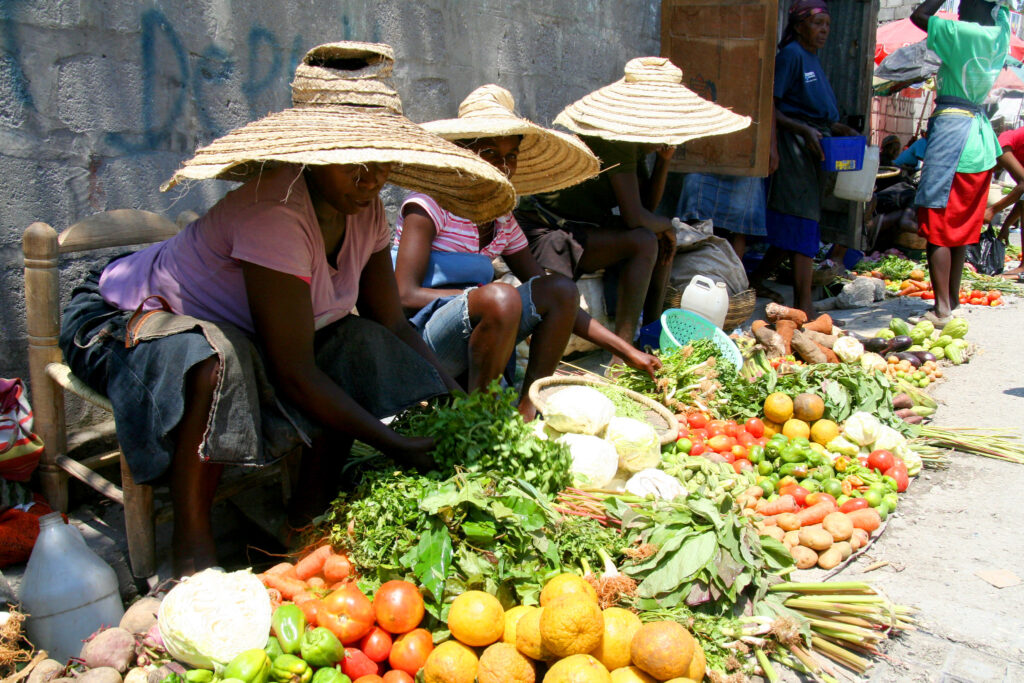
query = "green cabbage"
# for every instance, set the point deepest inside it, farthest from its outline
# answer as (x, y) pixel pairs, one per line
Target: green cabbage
(636, 442)
(210, 617)
(594, 460)
(862, 428)
(848, 349)
(842, 446)
(580, 410)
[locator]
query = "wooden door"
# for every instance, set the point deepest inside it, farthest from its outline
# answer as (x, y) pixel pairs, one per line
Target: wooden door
(726, 49)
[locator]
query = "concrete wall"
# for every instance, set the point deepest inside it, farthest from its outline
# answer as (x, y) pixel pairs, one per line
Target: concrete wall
(100, 100)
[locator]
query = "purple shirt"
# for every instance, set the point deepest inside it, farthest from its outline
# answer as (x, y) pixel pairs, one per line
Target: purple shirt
(270, 222)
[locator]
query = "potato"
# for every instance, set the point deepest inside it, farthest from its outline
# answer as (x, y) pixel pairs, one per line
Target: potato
(114, 647)
(815, 539)
(788, 521)
(46, 671)
(859, 539)
(102, 674)
(839, 525)
(775, 532)
(830, 559)
(136, 675)
(791, 539)
(805, 558)
(844, 547)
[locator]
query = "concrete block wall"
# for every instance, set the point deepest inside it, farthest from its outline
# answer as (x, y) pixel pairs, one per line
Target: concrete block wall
(101, 100)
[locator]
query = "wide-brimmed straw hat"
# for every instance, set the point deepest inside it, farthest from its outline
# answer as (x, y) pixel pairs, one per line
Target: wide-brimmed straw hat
(649, 105)
(344, 111)
(548, 159)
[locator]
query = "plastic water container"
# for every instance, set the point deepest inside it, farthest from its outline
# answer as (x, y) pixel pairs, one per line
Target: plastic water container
(843, 153)
(706, 298)
(858, 186)
(67, 590)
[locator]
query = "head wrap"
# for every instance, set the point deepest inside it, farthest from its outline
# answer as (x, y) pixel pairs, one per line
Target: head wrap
(798, 11)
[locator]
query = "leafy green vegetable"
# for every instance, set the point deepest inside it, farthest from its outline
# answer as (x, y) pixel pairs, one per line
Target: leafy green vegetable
(891, 266)
(624, 405)
(693, 375)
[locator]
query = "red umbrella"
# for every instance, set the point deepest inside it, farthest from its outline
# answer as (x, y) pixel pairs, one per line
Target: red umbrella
(896, 34)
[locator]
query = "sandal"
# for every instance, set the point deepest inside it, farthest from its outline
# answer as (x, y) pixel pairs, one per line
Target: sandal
(767, 293)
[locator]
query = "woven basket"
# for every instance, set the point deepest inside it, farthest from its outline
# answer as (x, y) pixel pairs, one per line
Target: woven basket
(824, 276)
(658, 416)
(741, 307)
(673, 297)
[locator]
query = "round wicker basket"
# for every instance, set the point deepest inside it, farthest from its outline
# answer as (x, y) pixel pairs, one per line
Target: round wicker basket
(741, 307)
(657, 415)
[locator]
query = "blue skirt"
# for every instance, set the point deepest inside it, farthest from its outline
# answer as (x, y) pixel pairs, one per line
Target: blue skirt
(793, 233)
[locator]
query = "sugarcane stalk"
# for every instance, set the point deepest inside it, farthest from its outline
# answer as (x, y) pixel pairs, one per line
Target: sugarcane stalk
(766, 666)
(837, 653)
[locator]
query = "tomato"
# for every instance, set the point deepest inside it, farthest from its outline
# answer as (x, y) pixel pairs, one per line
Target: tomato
(348, 614)
(684, 431)
(410, 651)
(754, 427)
(928, 296)
(820, 497)
(684, 445)
(992, 295)
(899, 473)
(873, 497)
(862, 460)
(978, 301)
(787, 481)
(699, 433)
(729, 457)
(733, 429)
(717, 424)
(798, 492)
(356, 664)
(741, 465)
(996, 302)
(739, 452)
(398, 606)
(853, 504)
(369, 678)
(697, 420)
(376, 644)
(881, 460)
(398, 676)
(744, 439)
(721, 443)
(698, 448)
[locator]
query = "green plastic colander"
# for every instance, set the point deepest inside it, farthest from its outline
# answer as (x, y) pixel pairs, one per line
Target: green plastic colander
(679, 328)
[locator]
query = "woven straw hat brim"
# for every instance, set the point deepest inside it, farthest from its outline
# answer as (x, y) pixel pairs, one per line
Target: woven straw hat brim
(459, 180)
(653, 113)
(549, 160)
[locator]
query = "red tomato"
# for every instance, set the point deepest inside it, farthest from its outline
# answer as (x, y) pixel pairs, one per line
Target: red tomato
(862, 460)
(718, 424)
(820, 497)
(963, 299)
(992, 295)
(741, 465)
(376, 644)
(978, 301)
(398, 606)
(397, 676)
(698, 448)
(996, 302)
(739, 452)
(684, 432)
(348, 614)
(356, 664)
(411, 650)
(370, 678)
(762, 440)
(745, 439)
(733, 429)
(928, 296)
(899, 473)
(853, 504)
(798, 492)
(699, 433)
(697, 420)
(754, 427)
(881, 460)
(721, 443)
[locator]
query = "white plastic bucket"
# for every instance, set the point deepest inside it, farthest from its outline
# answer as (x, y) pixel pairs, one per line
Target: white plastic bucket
(858, 186)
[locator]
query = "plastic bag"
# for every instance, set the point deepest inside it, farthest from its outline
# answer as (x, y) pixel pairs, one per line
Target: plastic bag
(712, 257)
(988, 255)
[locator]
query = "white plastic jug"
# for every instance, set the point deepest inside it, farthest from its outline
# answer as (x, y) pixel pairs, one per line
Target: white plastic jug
(67, 590)
(706, 298)
(858, 186)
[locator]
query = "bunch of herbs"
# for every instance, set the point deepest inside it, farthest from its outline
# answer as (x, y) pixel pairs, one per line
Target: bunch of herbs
(694, 375)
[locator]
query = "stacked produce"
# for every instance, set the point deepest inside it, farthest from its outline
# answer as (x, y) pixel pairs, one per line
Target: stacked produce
(905, 277)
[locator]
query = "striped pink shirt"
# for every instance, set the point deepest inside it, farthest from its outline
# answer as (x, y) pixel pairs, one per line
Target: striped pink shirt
(460, 236)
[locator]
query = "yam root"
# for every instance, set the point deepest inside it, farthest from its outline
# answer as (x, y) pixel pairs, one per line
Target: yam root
(772, 341)
(776, 312)
(823, 324)
(786, 329)
(757, 324)
(826, 340)
(830, 355)
(806, 349)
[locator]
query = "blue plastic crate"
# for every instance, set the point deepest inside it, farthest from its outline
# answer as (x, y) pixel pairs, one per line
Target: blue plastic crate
(650, 336)
(844, 153)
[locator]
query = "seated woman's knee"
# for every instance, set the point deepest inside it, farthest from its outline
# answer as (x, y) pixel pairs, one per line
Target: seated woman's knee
(495, 301)
(555, 291)
(642, 242)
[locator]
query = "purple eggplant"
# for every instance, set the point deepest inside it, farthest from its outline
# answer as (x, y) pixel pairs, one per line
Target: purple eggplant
(924, 356)
(877, 345)
(910, 358)
(900, 343)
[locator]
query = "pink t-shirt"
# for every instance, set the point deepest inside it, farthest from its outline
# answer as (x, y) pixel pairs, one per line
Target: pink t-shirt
(461, 236)
(268, 221)
(1014, 139)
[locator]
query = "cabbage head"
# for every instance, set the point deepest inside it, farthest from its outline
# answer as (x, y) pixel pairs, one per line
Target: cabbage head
(580, 410)
(842, 446)
(594, 460)
(862, 428)
(872, 361)
(210, 617)
(888, 439)
(656, 483)
(636, 443)
(848, 349)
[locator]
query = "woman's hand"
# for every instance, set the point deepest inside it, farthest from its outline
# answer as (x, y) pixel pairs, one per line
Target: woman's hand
(812, 136)
(989, 215)
(413, 450)
(842, 129)
(645, 362)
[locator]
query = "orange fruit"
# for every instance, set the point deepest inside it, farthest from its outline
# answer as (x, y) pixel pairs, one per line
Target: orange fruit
(620, 625)
(564, 585)
(571, 625)
(502, 663)
(450, 662)
(663, 649)
(528, 640)
(778, 407)
(698, 664)
(823, 431)
(577, 669)
(476, 618)
(631, 674)
(795, 428)
(808, 407)
(512, 617)
(771, 428)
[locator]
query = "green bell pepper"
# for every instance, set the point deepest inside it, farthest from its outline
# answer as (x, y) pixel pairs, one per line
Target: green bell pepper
(172, 678)
(290, 669)
(794, 469)
(288, 624)
(330, 675)
(251, 666)
(792, 454)
(320, 647)
(273, 648)
(199, 676)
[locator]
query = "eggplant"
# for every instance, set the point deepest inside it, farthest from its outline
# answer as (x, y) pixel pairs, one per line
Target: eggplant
(925, 356)
(910, 358)
(900, 343)
(877, 345)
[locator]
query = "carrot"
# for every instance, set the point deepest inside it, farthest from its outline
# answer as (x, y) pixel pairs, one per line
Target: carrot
(754, 492)
(923, 286)
(776, 312)
(316, 582)
(917, 294)
(275, 597)
(311, 607)
(815, 514)
(337, 568)
(786, 328)
(288, 587)
(312, 564)
(906, 291)
(781, 504)
(867, 519)
(823, 324)
(281, 568)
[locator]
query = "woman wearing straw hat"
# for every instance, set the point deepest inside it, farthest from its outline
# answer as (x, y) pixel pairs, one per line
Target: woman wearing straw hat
(262, 286)
(443, 261)
(805, 111)
(609, 221)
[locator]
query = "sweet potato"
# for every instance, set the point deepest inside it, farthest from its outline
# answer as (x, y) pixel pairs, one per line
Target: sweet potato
(823, 324)
(867, 519)
(805, 558)
(788, 521)
(839, 525)
(830, 559)
(815, 539)
(806, 349)
(776, 312)
(826, 340)
(773, 343)
(786, 328)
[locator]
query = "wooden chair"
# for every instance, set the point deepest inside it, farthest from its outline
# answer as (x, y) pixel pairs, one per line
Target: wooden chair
(50, 377)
